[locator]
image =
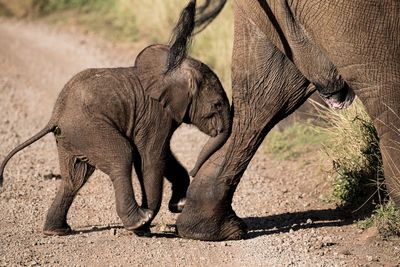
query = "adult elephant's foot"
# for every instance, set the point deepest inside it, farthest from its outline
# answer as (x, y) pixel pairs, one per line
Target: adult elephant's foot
(54, 229)
(208, 214)
(197, 225)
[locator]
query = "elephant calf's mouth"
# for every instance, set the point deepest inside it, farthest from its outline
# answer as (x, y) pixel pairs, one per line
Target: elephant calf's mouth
(213, 133)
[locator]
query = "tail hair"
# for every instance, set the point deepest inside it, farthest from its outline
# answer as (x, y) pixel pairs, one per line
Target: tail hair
(181, 36)
(206, 13)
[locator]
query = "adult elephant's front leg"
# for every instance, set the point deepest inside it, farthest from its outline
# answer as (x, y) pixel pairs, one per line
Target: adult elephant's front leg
(266, 88)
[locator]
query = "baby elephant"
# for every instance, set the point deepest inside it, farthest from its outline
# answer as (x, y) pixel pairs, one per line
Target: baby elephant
(113, 119)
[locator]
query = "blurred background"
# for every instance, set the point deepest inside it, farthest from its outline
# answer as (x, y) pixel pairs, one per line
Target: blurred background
(134, 21)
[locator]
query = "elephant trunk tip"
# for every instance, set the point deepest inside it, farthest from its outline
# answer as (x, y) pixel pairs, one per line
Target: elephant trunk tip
(212, 145)
(193, 172)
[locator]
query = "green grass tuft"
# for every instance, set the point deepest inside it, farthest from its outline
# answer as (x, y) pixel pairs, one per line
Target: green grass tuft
(386, 218)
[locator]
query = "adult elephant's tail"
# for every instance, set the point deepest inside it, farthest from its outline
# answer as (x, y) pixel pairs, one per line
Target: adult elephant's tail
(206, 13)
(191, 21)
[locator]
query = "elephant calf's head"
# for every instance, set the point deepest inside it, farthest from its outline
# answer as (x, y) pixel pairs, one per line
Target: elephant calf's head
(191, 93)
(209, 109)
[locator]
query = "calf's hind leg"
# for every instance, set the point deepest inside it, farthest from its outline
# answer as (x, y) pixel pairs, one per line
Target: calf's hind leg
(75, 173)
(179, 178)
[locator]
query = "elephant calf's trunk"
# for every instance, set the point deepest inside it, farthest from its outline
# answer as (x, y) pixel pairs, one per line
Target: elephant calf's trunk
(212, 145)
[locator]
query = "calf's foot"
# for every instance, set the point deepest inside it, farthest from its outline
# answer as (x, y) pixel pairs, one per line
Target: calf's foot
(176, 205)
(138, 219)
(52, 229)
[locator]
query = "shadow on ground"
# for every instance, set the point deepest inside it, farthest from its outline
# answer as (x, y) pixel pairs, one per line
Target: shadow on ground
(102, 228)
(267, 225)
(282, 223)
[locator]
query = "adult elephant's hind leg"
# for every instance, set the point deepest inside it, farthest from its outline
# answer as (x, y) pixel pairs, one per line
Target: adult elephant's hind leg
(391, 162)
(266, 88)
(387, 123)
(75, 173)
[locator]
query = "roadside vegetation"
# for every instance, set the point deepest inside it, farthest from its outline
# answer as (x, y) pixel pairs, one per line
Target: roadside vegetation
(358, 179)
(347, 137)
(353, 147)
(386, 218)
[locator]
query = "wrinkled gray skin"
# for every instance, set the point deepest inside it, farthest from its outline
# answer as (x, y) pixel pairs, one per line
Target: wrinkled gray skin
(283, 49)
(113, 119)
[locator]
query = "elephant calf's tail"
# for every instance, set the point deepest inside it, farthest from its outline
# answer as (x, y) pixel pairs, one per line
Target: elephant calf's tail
(43, 132)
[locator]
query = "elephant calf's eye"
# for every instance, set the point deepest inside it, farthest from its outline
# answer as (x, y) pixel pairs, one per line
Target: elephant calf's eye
(209, 115)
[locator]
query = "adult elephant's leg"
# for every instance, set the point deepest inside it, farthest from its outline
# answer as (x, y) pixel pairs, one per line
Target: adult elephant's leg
(266, 88)
(382, 103)
(390, 149)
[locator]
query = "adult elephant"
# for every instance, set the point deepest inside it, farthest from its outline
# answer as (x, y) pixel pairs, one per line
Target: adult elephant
(283, 50)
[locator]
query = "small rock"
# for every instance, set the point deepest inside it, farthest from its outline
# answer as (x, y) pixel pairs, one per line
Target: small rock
(309, 221)
(52, 176)
(370, 234)
(113, 231)
(327, 242)
(369, 258)
(291, 231)
(345, 252)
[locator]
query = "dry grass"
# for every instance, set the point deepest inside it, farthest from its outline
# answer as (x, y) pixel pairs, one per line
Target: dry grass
(357, 169)
(353, 147)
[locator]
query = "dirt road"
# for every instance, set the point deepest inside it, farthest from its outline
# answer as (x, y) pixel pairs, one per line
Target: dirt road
(279, 200)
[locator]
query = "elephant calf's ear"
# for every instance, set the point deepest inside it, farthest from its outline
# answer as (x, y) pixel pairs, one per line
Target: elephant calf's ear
(175, 98)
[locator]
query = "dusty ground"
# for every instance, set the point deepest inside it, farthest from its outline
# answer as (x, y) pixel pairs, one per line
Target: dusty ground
(280, 201)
